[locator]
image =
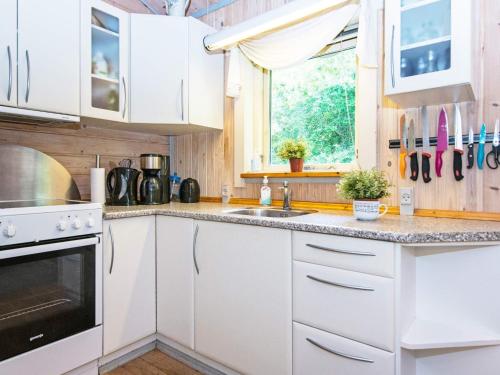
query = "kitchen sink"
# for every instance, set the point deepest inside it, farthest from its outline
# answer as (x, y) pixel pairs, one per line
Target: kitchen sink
(271, 212)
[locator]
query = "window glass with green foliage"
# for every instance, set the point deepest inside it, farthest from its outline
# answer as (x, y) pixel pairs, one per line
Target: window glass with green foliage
(314, 101)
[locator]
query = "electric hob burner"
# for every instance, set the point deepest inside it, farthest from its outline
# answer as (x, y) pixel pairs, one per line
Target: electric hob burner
(38, 203)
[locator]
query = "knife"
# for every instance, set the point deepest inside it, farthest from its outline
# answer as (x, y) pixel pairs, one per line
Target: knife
(442, 140)
(480, 150)
(426, 152)
(412, 151)
(458, 150)
(403, 133)
(470, 150)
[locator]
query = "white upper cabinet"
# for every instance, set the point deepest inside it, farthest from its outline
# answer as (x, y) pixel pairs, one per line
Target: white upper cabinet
(48, 55)
(429, 51)
(159, 69)
(105, 61)
(243, 297)
(173, 78)
(8, 53)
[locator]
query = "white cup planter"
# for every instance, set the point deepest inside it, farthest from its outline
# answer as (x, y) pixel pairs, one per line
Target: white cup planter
(368, 210)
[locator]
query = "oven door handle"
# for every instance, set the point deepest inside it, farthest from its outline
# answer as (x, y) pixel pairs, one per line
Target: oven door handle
(46, 248)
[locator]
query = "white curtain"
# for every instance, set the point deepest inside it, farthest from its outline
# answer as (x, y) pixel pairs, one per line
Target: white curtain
(299, 42)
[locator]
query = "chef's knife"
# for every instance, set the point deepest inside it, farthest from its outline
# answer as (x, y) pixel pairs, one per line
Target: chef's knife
(426, 152)
(403, 133)
(442, 140)
(458, 150)
(412, 151)
(480, 150)
(470, 150)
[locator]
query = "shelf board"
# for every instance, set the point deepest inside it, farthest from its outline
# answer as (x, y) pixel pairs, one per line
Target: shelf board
(424, 334)
(102, 29)
(418, 4)
(304, 174)
(104, 78)
(425, 43)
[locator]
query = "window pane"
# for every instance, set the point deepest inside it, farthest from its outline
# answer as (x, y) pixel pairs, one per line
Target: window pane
(315, 101)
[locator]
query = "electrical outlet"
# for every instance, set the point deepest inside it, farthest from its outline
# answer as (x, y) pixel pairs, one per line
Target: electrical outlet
(406, 201)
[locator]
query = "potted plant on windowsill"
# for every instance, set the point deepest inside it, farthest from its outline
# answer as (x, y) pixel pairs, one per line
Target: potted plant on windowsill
(365, 188)
(295, 152)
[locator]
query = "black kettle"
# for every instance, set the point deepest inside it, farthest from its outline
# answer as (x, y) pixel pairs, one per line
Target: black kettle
(122, 186)
(189, 191)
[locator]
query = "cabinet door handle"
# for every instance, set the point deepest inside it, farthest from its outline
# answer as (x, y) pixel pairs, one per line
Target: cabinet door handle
(341, 251)
(112, 249)
(340, 285)
(343, 355)
(124, 97)
(182, 99)
(28, 76)
(9, 90)
(393, 80)
(195, 239)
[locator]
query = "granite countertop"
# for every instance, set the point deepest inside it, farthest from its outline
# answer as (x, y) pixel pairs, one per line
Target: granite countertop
(393, 228)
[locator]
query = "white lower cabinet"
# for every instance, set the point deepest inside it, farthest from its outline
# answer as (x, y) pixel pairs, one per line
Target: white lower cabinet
(243, 305)
(351, 304)
(321, 353)
(129, 305)
(175, 279)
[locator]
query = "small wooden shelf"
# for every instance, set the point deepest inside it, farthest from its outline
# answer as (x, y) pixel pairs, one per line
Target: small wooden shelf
(304, 174)
(424, 334)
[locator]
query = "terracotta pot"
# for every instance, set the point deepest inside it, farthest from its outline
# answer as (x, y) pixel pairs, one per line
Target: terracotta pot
(296, 165)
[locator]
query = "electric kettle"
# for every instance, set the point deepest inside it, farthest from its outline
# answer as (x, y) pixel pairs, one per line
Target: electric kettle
(122, 186)
(189, 191)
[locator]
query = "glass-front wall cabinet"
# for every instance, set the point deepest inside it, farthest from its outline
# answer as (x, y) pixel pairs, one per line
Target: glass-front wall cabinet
(105, 62)
(428, 44)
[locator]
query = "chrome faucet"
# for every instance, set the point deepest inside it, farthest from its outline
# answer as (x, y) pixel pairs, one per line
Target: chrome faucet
(287, 196)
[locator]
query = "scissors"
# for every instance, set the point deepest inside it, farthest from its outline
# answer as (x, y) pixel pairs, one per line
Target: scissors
(492, 158)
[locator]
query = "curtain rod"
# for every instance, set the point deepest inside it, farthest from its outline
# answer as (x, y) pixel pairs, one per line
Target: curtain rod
(276, 18)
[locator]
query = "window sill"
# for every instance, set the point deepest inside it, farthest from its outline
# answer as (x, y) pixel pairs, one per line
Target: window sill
(304, 174)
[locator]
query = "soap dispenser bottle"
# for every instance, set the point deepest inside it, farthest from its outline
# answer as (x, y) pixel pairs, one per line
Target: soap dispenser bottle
(265, 193)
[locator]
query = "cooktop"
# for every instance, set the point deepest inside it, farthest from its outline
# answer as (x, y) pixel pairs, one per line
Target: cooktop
(38, 203)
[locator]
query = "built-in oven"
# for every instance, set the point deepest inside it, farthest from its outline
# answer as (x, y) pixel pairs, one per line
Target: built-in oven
(48, 291)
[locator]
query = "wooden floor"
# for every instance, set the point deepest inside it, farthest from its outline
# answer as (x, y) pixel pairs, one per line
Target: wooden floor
(154, 363)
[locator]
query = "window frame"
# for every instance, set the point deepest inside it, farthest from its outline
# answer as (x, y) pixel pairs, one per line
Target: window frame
(345, 41)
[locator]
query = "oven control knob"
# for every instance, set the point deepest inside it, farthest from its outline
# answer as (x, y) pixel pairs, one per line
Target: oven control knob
(62, 225)
(77, 224)
(90, 222)
(9, 231)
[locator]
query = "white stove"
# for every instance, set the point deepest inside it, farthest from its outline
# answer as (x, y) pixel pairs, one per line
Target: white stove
(26, 221)
(51, 286)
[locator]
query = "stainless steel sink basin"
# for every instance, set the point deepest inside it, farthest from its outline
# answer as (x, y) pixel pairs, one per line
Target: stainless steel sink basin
(271, 212)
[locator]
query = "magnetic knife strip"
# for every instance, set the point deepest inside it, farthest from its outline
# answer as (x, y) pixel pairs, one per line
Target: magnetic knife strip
(396, 143)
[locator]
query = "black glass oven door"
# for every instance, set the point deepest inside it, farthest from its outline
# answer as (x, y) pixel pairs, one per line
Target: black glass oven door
(47, 293)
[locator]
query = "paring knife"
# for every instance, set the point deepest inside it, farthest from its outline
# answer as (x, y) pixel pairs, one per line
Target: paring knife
(426, 153)
(403, 133)
(470, 149)
(442, 140)
(480, 150)
(412, 151)
(458, 150)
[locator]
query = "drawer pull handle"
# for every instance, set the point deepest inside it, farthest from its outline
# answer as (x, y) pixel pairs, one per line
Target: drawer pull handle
(348, 356)
(341, 251)
(347, 286)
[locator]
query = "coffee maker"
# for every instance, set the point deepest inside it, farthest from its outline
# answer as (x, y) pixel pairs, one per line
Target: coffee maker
(150, 190)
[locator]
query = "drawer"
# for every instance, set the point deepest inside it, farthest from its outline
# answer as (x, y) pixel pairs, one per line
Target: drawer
(350, 304)
(321, 353)
(374, 257)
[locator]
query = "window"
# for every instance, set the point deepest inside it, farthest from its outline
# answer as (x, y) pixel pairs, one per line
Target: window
(315, 101)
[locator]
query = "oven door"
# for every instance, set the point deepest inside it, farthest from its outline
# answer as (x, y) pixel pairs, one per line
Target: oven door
(48, 292)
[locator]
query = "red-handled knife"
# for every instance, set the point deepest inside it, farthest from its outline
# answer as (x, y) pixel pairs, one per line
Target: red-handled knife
(442, 140)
